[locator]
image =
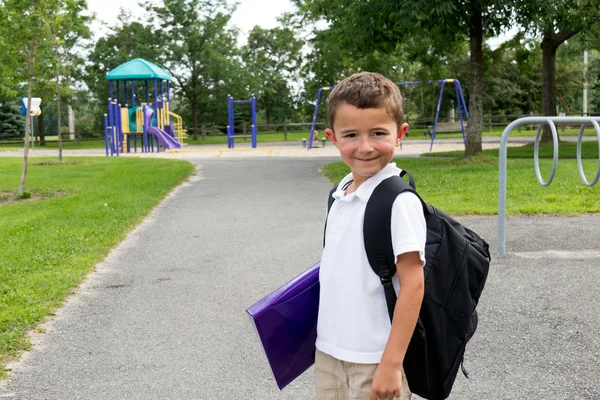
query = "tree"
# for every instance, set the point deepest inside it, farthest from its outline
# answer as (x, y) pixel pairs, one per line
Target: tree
(512, 77)
(556, 21)
(594, 80)
(200, 51)
(273, 58)
(8, 82)
(569, 74)
(365, 25)
(12, 122)
(127, 40)
(8, 66)
(67, 27)
(329, 61)
(24, 30)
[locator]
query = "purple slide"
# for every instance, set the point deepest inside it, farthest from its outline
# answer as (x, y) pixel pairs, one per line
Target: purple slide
(163, 137)
(285, 322)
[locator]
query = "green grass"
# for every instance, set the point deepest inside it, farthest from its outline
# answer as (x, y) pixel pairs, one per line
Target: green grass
(78, 211)
(470, 186)
(275, 137)
(261, 138)
(565, 150)
(208, 140)
(415, 134)
(51, 145)
(496, 132)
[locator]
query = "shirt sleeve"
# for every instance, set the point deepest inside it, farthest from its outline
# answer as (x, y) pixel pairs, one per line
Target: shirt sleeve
(409, 230)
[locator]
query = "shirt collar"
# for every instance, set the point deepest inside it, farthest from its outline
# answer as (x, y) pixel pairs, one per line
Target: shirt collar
(365, 190)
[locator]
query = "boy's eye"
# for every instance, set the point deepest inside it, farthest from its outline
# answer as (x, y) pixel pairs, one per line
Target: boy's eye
(350, 135)
(380, 133)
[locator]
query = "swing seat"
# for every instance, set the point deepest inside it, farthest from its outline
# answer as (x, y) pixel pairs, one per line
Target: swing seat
(445, 127)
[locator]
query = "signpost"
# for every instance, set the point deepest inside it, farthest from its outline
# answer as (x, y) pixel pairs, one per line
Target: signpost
(35, 111)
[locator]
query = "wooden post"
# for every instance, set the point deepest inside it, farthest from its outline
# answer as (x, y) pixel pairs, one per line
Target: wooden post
(285, 131)
(203, 130)
(519, 116)
(41, 131)
(490, 121)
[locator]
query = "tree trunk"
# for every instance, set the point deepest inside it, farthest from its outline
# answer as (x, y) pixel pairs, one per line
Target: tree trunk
(550, 43)
(195, 119)
(548, 82)
(41, 131)
(21, 188)
(30, 58)
(475, 126)
(58, 113)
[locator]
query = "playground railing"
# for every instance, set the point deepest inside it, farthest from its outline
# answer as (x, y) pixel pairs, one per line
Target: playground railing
(541, 121)
(139, 120)
(177, 122)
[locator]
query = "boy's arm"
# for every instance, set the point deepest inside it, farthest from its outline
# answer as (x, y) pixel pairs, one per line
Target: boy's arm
(387, 381)
(412, 285)
(409, 235)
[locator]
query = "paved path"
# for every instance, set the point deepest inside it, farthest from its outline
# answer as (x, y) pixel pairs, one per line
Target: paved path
(163, 316)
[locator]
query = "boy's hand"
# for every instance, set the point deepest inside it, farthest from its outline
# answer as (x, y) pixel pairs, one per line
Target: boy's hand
(387, 383)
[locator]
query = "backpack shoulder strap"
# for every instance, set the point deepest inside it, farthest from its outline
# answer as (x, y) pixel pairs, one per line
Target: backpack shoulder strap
(377, 234)
(330, 201)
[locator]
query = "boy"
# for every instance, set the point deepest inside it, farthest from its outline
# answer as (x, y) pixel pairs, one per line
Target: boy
(359, 352)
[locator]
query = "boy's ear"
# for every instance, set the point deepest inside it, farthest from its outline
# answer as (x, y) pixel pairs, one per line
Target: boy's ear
(401, 133)
(331, 135)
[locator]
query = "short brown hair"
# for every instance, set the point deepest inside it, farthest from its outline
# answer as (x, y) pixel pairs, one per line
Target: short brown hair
(367, 90)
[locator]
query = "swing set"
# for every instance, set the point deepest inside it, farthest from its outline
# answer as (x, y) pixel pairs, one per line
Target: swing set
(437, 126)
(231, 136)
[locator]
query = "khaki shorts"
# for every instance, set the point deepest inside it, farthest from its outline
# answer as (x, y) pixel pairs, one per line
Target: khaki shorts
(340, 380)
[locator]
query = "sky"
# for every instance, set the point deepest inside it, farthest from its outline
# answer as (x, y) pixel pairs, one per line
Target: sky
(248, 14)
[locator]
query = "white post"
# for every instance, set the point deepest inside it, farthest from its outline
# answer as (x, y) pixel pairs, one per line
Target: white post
(585, 82)
(71, 124)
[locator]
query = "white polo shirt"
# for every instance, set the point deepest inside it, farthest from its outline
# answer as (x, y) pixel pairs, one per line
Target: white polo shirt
(353, 322)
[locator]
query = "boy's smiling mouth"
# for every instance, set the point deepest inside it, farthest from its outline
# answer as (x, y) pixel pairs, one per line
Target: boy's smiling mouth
(366, 159)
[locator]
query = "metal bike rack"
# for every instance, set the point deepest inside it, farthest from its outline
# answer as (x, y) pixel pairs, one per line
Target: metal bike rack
(551, 121)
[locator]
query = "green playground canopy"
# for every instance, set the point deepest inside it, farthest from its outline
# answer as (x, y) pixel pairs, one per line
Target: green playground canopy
(137, 69)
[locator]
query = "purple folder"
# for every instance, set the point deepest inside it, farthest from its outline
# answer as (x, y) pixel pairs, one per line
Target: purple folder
(286, 324)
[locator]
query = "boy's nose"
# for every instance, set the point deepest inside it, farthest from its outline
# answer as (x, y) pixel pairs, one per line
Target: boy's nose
(365, 145)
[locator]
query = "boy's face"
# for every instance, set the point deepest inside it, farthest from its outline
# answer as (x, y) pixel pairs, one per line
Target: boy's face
(366, 139)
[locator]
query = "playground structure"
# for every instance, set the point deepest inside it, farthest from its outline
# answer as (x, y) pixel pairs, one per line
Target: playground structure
(231, 123)
(128, 120)
(461, 107)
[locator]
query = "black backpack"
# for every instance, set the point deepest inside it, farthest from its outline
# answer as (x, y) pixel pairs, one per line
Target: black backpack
(456, 268)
